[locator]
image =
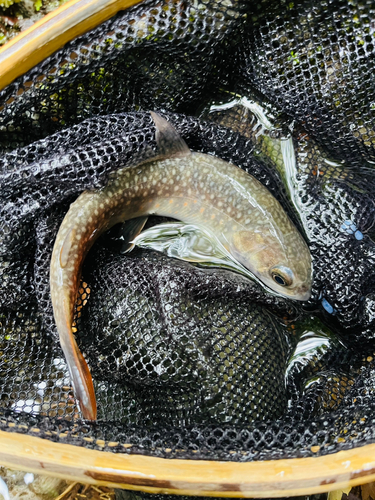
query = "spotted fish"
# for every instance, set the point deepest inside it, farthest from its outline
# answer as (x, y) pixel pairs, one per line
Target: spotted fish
(195, 188)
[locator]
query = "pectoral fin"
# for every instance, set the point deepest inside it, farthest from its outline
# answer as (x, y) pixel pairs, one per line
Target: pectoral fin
(130, 230)
(168, 140)
(179, 240)
(190, 243)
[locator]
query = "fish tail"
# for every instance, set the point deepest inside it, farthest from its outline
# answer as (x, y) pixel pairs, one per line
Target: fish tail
(79, 371)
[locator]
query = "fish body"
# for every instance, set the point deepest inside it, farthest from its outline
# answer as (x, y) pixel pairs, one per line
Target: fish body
(196, 188)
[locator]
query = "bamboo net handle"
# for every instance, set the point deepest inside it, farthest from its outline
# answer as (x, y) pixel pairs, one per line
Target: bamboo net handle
(52, 32)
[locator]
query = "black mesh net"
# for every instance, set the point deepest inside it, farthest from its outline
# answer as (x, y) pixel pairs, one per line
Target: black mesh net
(190, 362)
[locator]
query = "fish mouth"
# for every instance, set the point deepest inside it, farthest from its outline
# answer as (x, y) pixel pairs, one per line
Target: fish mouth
(302, 293)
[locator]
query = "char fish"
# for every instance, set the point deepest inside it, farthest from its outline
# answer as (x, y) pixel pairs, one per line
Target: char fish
(195, 188)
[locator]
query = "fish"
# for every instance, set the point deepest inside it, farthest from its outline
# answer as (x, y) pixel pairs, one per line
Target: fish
(195, 188)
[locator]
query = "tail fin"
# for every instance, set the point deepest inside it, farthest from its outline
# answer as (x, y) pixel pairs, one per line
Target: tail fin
(79, 371)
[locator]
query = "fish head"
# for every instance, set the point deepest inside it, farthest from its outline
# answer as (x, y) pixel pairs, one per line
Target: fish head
(283, 263)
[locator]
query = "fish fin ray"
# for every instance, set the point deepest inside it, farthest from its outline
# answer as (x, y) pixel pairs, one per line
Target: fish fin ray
(130, 230)
(89, 411)
(168, 140)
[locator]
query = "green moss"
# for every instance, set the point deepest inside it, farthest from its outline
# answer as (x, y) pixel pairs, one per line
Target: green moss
(4, 4)
(293, 57)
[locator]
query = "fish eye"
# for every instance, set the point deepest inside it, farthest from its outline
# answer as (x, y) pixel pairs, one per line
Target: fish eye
(282, 275)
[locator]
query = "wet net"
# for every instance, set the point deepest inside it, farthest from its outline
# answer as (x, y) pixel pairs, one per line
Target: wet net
(191, 362)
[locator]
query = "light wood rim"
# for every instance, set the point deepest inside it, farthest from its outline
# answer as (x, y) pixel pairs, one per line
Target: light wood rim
(156, 475)
(53, 31)
(298, 476)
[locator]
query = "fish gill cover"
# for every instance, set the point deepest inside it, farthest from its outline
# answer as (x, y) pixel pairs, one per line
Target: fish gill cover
(186, 361)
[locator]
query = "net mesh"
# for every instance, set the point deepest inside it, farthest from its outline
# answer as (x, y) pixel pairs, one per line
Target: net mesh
(189, 362)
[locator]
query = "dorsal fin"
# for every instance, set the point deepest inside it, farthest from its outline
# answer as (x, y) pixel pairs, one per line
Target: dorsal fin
(168, 140)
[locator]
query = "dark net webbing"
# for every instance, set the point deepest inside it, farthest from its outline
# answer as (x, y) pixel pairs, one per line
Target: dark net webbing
(189, 362)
